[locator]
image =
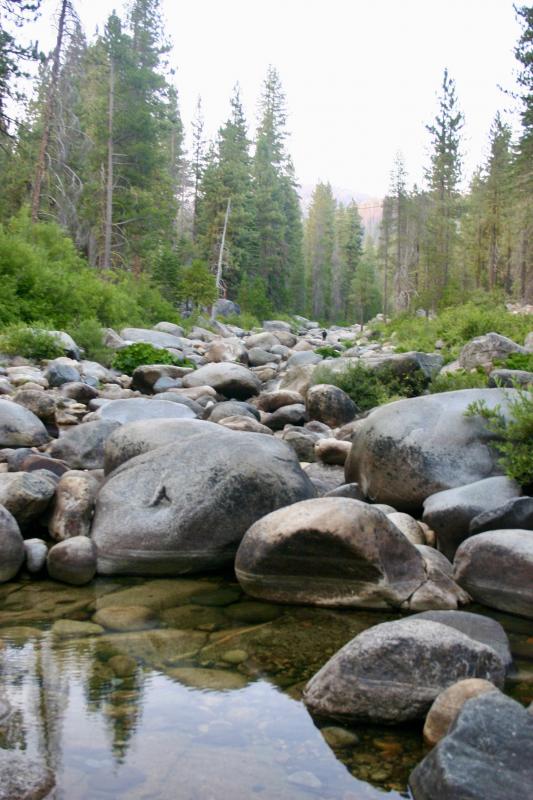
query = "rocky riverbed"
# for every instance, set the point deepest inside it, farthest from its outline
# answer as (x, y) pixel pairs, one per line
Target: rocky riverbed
(317, 529)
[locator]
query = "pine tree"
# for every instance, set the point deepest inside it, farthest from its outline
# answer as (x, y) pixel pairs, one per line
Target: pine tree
(319, 250)
(399, 197)
(366, 297)
(524, 162)
(349, 233)
(13, 54)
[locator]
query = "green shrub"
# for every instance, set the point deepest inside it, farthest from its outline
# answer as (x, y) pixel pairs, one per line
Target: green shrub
(461, 379)
(361, 384)
(347, 343)
(88, 335)
(136, 355)
(20, 340)
(327, 352)
(519, 361)
(244, 320)
(515, 434)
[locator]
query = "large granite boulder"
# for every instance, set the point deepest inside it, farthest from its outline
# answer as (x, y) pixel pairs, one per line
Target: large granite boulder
(393, 672)
(11, 546)
(146, 376)
(157, 338)
(410, 449)
(231, 349)
(26, 495)
(449, 513)
(331, 551)
(72, 561)
(516, 513)
(82, 447)
(496, 569)
(19, 427)
(60, 371)
(446, 707)
(487, 754)
(330, 405)
(233, 408)
(484, 350)
(186, 506)
(141, 408)
(230, 380)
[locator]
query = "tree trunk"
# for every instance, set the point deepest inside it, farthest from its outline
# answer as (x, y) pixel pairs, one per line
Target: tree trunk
(221, 251)
(108, 222)
(47, 116)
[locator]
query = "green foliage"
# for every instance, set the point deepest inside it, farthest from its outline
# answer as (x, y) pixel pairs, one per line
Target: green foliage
(253, 297)
(451, 382)
(244, 320)
(20, 340)
(519, 361)
(372, 387)
(88, 335)
(327, 352)
(136, 355)
(514, 432)
(348, 343)
(198, 285)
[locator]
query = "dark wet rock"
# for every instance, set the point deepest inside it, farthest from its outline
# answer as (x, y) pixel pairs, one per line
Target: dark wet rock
(287, 415)
(186, 506)
(40, 403)
(516, 513)
(135, 438)
(82, 447)
(73, 505)
(23, 778)
(446, 707)
(19, 427)
(271, 401)
(232, 408)
(449, 513)
(26, 495)
(496, 569)
(487, 754)
(60, 371)
(350, 490)
(329, 551)
(410, 449)
(330, 405)
(11, 546)
(146, 376)
(253, 613)
(72, 561)
(393, 672)
(484, 350)
(230, 380)
(36, 552)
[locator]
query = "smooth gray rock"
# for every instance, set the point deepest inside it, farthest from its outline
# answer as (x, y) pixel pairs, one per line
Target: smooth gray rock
(58, 372)
(26, 495)
(19, 427)
(287, 415)
(350, 490)
(226, 308)
(302, 442)
(185, 507)
(271, 401)
(496, 569)
(233, 408)
(169, 327)
(230, 380)
(276, 325)
(393, 672)
(82, 447)
(141, 408)
(157, 338)
(231, 349)
(11, 546)
(135, 438)
(329, 551)
(40, 403)
(72, 561)
(486, 755)
(516, 513)
(510, 378)
(257, 357)
(449, 513)
(145, 377)
(484, 350)
(325, 476)
(78, 391)
(304, 359)
(24, 778)
(36, 552)
(330, 405)
(410, 449)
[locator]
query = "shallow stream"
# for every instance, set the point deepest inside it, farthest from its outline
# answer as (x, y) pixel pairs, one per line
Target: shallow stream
(202, 703)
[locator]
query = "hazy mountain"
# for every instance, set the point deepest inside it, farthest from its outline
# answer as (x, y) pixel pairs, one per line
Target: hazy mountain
(369, 207)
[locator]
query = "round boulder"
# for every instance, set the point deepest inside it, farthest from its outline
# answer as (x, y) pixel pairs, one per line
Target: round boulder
(230, 380)
(19, 427)
(72, 561)
(11, 546)
(445, 708)
(330, 404)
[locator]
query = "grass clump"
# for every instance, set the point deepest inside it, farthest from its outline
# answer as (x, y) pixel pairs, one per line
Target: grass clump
(523, 361)
(462, 379)
(327, 352)
(88, 335)
(34, 343)
(514, 434)
(369, 388)
(138, 354)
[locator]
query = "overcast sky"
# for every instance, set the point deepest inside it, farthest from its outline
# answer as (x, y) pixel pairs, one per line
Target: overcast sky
(361, 77)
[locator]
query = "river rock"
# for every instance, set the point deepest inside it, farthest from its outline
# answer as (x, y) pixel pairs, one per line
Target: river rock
(72, 561)
(516, 513)
(233, 408)
(257, 357)
(11, 546)
(332, 451)
(19, 427)
(271, 401)
(450, 512)
(330, 404)
(447, 705)
(146, 376)
(36, 552)
(80, 392)
(487, 754)
(325, 477)
(157, 338)
(439, 591)
(26, 494)
(126, 618)
(410, 449)
(510, 378)
(287, 415)
(226, 350)
(73, 506)
(496, 569)
(350, 490)
(408, 526)
(230, 380)
(393, 672)
(40, 403)
(245, 424)
(60, 371)
(23, 778)
(484, 350)
(82, 447)
(302, 442)
(331, 552)
(264, 340)
(298, 379)
(141, 408)
(186, 506)
(169, 327)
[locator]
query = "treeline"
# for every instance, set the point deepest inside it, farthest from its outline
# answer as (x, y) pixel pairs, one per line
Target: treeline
(101, 151)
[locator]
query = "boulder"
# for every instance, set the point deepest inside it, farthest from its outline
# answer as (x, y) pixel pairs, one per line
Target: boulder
(271, 401)
(302, 442)
(73, 506)
(26, 495)
(231, 349)
(60, 371)
(24, 778)
(72, 561)
(304, 359)
(496, 569)
(11, 546)
(78, 391)
(298, 379)
(446, 707)
(19, 427)
(36, 552)
(264, 340)
(516, 513)
(276, 325)
(410, 449)
(226, 308)
(287, 415)
(439, 591)
(332, 552)
(40, 403)
(330, 404)
(510, 378)
(146, 376)
(135, 438)
(450, 512)
(393, 672)
(332, 451)
(233, 408)
(186, 506)
(257, 357)
(157, 338)
(325, 476)
(286, 340)
(350, 490)
(82, 447)
(142, 408)
(245, 424)
(484, 350)
(230, 380)
(408, 526)
(487, 754)
(169, 327)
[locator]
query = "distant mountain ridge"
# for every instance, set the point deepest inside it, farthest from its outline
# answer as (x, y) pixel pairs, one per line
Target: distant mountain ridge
(370, 208)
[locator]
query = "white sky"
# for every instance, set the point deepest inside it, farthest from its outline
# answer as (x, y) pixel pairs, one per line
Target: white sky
(361, 76)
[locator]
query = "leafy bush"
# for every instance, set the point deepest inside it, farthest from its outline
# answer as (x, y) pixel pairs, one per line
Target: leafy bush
(461, 379)
(515, 434)
(20, 340)
(88, 335)
(348, 343)
(327, 352)
(244, 320)
(519, 361)
(136, 355)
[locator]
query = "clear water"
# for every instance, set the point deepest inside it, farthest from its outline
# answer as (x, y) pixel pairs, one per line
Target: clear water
(202, 705)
